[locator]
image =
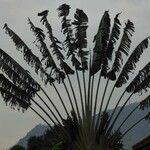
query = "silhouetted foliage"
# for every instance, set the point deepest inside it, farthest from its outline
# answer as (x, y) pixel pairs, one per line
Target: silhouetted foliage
(82, 129)
(17, 147)
(65, 137)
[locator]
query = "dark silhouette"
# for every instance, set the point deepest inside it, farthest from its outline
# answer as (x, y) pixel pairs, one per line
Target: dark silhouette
(50, 139)
(17, 147)
(19, 89)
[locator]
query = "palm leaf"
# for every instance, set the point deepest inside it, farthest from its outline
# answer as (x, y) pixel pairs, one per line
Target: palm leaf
(131, 63)
(16, 79)
(140, 77)
(43, 13)
(126, 41)
(105, 38)
(29, 57)
(42, 46)
(55, 42)
(143, 86)
(114, 36)
(76, 63)
(145, 103)
(60, 75)
(69, 42)
(46, 54)
(101, 41)
(13, 69)
(66, 68)
(124, 48)
(13, 89)
(63, 11)
(13, 101)
(80, 24)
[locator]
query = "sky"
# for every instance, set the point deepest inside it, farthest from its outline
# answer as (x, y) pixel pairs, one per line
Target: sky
(14, 125)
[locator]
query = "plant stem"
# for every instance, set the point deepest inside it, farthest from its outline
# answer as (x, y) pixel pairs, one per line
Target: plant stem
(88, 97)
(74, 97)
(100, 110)
(128, 117)
(44, 111)
(122, 107)
(84, 83)
(41, 117)
(48, 108)
(71, 103)
(91, 98)
(104, 95)
(109, 98)
(82, 105)
(132, 126)
(52, 103)
(96, 97)
(61, 100)
(114, 110)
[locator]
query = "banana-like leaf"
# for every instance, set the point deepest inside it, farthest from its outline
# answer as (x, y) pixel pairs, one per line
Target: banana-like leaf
(40, 36)
(76, 63)
(55, 42)
(13, 101)
(13, 89)
(66, 68)
(43, 13)
(63, 10)
(46, 54)
(101, 41)
(69, 42)
(80, 24)
(124, 48)
(16, 79)
(60, 76)
(141, 76)
(143, 86)
(29, 57)
(131, 63)
(126, 38)
(114, 36)
(145, 103)
(12, 69)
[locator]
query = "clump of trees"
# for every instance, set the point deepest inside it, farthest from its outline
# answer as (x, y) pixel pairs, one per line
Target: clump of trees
(63, 62)
(17, 147)
(51, 140)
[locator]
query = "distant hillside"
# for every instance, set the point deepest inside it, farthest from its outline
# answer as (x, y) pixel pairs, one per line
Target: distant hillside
(36, 131)
(138, 133)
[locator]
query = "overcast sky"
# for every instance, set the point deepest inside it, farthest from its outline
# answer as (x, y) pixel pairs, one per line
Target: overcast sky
(14, 125)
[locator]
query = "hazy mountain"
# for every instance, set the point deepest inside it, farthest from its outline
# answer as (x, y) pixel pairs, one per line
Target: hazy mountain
(138, 133)
(36, 131)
